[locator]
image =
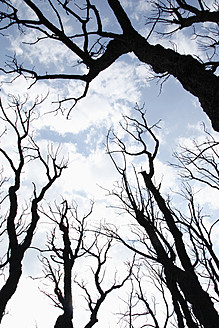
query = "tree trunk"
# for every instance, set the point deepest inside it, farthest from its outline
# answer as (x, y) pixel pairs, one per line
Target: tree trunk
(202, 305)
(187, 279)
(10, 286)
(189, 72)
(64, 321)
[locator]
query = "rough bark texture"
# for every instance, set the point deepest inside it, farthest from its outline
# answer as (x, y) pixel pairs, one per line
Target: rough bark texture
(193, 76)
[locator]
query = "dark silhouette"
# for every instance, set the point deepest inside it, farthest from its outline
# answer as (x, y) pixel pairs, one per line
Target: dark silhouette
(20, 227)
(59, 263)
(96, 48)
(180, 244)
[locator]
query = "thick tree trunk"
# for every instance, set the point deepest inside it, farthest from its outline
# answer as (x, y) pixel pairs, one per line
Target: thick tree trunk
(202, 305)
(64, 321)
(187, 279)
(193, 75)
(171, 279)
(10, 286)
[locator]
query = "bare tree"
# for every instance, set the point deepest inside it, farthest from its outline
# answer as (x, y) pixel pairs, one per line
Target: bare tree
(59, 259)
(100, 254)
(59, 265)
(97, 49)
(199, 161)
(21, 215)
(180, 243)
(143, 308)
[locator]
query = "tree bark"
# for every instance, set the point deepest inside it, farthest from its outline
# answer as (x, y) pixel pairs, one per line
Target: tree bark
(192, 75)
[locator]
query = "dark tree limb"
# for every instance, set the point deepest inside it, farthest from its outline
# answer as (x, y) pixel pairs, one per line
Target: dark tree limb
(194, 76)
(17, 246)
(180, 275)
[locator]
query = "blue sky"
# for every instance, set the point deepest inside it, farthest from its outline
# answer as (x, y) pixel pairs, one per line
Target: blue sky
(82, 138)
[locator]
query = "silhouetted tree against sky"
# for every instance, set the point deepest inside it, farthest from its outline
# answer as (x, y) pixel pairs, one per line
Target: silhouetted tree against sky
(179, 241)
(96, 49)
(59, 266)
(20, 214)
(172, 245)
(59, 258)
(200, 163)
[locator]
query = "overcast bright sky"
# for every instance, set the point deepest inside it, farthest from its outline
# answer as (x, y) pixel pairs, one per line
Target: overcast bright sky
(113, 93)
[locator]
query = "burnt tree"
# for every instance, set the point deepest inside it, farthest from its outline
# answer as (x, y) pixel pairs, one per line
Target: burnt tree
(21, 216)
(179, 246)
(96, 49)
(78, 243)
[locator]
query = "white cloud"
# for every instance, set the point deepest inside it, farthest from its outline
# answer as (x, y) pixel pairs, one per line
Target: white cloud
(207, 196)
(87, 174)
(127, 3)
(49, 52)
(120, 82)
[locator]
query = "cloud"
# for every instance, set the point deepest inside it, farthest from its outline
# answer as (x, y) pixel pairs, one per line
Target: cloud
(207, 196)
(87, 174)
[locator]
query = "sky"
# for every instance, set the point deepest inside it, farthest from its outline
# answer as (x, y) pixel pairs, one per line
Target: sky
(82, 138)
